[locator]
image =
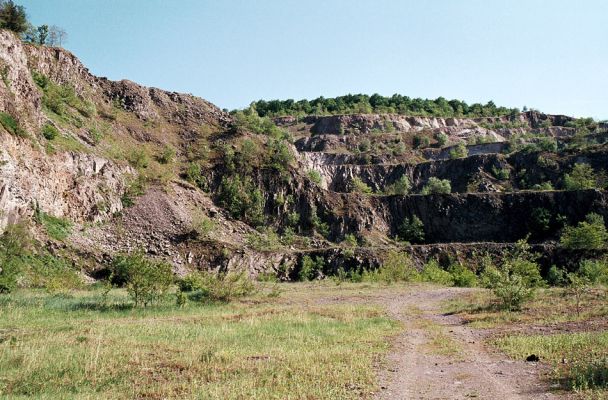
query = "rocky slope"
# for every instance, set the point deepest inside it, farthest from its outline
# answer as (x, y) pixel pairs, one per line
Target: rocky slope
(133, 168)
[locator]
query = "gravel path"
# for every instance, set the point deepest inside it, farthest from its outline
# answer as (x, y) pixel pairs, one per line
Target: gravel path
(460, 367)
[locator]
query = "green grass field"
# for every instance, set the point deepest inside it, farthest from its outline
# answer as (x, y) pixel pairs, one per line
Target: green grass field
(300, 345)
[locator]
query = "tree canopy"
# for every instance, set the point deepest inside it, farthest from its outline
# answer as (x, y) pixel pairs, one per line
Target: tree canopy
(365, 104)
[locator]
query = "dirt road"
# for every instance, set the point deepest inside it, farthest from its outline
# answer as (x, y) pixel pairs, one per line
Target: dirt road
(437, 357)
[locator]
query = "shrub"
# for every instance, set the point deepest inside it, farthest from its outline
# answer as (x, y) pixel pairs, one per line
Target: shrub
(203, 226)
(556, 276)
(146, 280)
(547, 144)
(462, 276)
(442, 139)
(421, 141)
(10, 124)
(459, 151)
(167, 155)
(437, 186)
(596, 271)
(581, 177)
(588, 234)
(401, 186)
(398, 267)
(265, 240)
(139, 158)
(315, 177)
(542, 186)
(242, 199)
(432, 272)
(15, 245)
(204, 286)
(411, 230)
(516, 280)
(311, 268)
(502, 174)
(49, 132)
(358, 186)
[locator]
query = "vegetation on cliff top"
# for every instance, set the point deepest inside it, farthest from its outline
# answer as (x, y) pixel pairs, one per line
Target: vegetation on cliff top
(377, 104)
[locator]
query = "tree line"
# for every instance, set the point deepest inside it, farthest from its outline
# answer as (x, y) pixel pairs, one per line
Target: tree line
(377, 104)
(13, 17)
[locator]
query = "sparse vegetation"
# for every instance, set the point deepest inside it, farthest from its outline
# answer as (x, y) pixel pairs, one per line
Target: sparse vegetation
(10, 124)
(459, 151)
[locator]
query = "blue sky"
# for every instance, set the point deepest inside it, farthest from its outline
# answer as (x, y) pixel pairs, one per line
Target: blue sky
(547, 54)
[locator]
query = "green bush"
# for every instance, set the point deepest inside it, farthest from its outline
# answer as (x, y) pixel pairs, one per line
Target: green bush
(401, 186)
(15, 245)
(515, 281)
(146, 280)
(204, 286)
(411, 230)
(11, 125)
(581, 177)
(310, 268)
(442, 139)
(501, 174)
(588, 234)
(433, 273)
(459, 151)
(437, 186)
(167, 155)
(242, 199)
(556, 276)
(358, 186)
(49, 132)
(398, 267)
(596, 271)
(421, 141)
(139, 158)
(462, 276)
(315, 177)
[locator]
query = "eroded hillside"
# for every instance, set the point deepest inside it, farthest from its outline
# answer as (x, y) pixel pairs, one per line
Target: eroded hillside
(126, 167)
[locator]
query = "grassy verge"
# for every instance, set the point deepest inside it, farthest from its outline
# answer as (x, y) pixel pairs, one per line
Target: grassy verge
(580, 360)
(69, 347)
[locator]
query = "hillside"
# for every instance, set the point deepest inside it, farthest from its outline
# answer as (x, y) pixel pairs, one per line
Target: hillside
(124, 167)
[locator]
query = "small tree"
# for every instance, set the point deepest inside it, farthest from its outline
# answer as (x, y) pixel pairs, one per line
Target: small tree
(442, 139)
(43, 33)
(588, 234)
(582, 177)
(412, 230)
(401, 186)
(311, 268)
(516, 280)
(146, 280)
(437, 186)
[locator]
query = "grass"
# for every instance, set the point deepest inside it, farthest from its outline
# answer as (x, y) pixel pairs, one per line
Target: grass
(70, 347)
(578, 359)
(11, 125)
(549, 306)
(56, 228)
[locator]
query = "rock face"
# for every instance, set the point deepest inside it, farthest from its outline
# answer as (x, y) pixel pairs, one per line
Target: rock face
(113, 153)
(78, 186)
